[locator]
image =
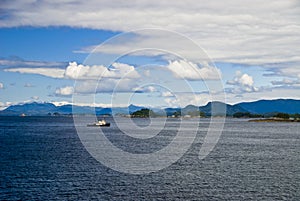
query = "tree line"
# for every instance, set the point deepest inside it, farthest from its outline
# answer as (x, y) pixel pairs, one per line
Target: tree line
(279, 115)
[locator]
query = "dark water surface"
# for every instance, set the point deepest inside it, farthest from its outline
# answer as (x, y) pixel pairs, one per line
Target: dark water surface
(42, 158)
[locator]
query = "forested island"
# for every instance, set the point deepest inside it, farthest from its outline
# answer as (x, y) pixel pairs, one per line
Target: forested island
(279, 117)
(272, 117)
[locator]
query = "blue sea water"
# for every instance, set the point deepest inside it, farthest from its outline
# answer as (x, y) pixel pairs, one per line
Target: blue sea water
(42, 158)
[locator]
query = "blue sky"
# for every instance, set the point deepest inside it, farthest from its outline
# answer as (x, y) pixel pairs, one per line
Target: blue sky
(49, 52)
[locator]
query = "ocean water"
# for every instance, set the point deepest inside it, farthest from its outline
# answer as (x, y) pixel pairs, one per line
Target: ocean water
(42, 158)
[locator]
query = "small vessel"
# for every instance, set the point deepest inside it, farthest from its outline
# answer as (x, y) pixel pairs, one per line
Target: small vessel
(101, 123)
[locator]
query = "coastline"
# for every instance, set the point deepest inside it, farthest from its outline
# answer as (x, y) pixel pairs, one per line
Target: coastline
(274, 120)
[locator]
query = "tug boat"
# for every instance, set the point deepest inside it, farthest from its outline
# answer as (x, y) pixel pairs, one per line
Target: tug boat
(101, 123)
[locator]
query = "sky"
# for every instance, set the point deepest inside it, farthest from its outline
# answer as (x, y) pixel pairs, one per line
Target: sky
(150, 53)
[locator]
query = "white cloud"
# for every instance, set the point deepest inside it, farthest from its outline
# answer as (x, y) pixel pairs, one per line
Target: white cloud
(274, 93)
(60, 103)
(171, 102)
(19, 62)
(106, 86)
(49, 72)
(239, 31)
(243, 83)
(64, 91)
(146, 89)
(293, 71)
(121, 77)
(287, 83)
(104, 105)
(1, 85)
(117, 70)
(84, 72)
(49, 69)
(191, 71)
(198, 99)
(74, 71)
(290, 70)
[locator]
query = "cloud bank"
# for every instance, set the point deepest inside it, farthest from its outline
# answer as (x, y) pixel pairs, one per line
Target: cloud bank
(121, 77)
(250, 32)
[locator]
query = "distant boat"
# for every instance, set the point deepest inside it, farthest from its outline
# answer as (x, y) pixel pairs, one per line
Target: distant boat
(101, 123)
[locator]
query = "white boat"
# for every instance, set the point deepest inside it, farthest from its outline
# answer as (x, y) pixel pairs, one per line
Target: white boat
(101, 123)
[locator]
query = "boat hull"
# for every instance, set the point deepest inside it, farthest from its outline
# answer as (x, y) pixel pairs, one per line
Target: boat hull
(97, 125)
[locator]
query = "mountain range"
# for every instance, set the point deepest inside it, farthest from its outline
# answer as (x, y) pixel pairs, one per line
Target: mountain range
(289, 106)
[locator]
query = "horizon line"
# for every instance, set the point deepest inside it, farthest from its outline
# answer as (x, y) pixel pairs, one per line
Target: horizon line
(64, 103)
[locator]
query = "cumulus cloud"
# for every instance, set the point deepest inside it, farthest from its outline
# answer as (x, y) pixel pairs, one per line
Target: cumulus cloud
(64, 91)
(191, 71)
(1, 85)
(242, 79)
(117, 70)
(243, 83)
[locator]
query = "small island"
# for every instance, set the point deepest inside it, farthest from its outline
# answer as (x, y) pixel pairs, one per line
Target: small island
(147, 113)
(143, 113)
(274, 120)
(279, 117)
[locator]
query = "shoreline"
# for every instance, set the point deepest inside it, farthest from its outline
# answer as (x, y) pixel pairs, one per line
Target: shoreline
(274, 120)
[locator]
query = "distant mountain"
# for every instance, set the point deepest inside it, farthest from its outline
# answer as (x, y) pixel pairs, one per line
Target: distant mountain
(69, 109)
(290, 106)
(219, 108)
(123, 110)
(133, 108)
(103, 111)
(258, 107)
(189, 109)
(42, 109)
(29, 108)
(171, 111)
